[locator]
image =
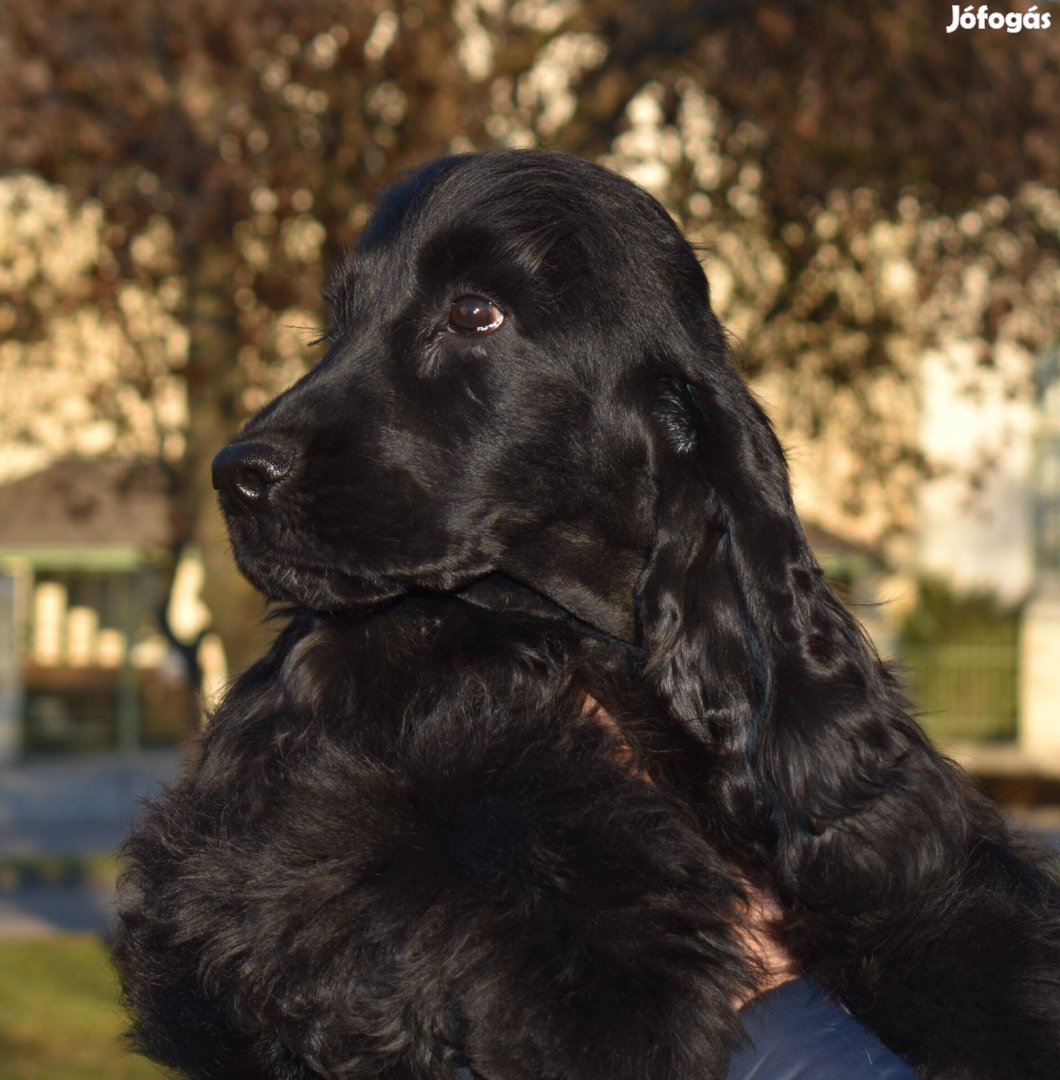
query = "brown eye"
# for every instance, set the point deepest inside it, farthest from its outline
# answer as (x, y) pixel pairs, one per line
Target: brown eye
(474, 315)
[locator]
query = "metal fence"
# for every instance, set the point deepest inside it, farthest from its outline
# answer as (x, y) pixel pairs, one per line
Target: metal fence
(965, 691)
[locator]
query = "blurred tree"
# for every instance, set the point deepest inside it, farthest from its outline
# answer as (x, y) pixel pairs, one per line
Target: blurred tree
(852, 171)
(250, 136)
(869, 192)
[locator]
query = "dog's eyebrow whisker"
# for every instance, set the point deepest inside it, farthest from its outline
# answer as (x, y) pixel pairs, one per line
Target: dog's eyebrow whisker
(319, 334)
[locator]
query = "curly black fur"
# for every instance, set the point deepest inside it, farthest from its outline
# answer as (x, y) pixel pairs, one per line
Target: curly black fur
(406, 846)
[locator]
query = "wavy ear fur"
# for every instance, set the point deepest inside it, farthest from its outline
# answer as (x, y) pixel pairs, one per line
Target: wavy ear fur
(747, 641)
(904, 891)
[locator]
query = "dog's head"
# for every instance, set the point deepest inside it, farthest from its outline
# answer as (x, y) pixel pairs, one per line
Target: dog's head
(501, 364)
(526, 377)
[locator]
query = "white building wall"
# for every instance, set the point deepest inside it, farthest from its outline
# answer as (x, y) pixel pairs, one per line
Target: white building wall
(977, 428)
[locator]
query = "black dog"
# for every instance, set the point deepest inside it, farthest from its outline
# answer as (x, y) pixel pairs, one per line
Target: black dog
(524, 479)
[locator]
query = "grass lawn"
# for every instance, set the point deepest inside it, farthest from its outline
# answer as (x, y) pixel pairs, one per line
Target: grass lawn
(59, 1013)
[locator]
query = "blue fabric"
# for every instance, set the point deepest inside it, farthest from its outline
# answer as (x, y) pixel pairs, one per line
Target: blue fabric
(796, 1033)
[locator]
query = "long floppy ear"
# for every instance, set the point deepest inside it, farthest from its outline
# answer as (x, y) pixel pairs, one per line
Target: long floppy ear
(905, 893)
(757, 657)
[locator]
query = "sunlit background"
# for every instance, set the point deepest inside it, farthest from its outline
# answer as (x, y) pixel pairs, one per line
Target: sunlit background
(876, 202)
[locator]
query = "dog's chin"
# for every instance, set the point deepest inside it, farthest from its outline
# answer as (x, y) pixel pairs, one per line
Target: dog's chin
(316, 588)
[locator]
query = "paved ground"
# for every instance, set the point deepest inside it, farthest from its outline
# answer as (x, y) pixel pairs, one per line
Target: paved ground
(85, 805)
(71, 807)
(77, 805)
(1045, 822)
(43, 910)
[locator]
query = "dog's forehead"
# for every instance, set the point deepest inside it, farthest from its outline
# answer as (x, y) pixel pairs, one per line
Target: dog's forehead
(527, 204)
(565, 244)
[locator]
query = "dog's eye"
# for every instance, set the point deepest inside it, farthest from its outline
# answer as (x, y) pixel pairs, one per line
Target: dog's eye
(474, 315)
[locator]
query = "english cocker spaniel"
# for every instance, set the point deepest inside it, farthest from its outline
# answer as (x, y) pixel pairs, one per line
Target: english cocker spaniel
(524, 489)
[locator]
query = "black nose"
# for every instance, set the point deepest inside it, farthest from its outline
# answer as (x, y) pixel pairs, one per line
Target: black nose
(247, 471)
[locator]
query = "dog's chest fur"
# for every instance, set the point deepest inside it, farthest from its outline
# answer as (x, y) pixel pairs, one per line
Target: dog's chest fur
(406, 846)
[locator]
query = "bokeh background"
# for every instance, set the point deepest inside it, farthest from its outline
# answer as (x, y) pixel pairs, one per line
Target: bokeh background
(876, 203)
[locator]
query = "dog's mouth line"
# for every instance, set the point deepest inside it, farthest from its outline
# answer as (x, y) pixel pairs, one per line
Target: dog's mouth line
(383, 591)
(327, 590)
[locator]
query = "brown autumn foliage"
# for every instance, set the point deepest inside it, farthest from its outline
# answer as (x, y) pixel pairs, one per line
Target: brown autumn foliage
(230, 150)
